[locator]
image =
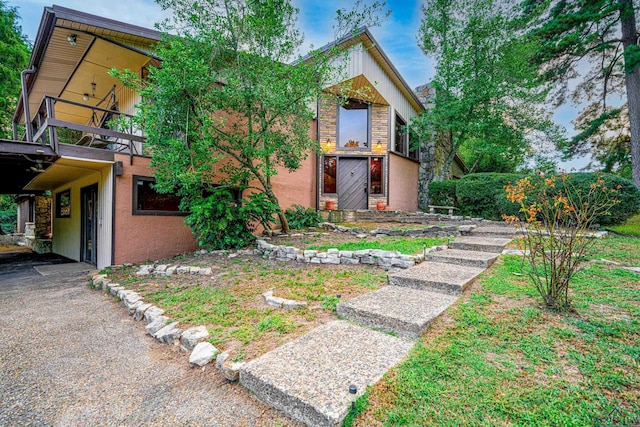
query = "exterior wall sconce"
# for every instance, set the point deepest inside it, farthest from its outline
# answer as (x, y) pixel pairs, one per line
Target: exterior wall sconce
(85, 97)
(72, 39)
(327, 145)
(379, 145)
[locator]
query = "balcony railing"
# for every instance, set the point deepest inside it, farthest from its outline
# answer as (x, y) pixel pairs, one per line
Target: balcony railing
(105, 128)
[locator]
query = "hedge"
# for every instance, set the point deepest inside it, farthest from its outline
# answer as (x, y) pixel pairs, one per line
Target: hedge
(483, 195)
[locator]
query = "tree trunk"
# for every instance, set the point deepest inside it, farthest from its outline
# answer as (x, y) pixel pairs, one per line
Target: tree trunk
(632, 81)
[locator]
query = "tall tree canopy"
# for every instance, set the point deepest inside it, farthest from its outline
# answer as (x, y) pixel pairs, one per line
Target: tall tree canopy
(14, 57)
(485, 90)
(600, 36)
(228, 104)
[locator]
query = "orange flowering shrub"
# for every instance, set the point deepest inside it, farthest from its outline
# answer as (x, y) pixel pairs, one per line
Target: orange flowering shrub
(556, 220)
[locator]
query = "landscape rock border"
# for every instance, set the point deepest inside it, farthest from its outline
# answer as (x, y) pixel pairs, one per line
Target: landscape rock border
(160, 327)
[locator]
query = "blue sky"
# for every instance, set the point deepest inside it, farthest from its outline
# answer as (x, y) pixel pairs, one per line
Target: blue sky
(397, 36)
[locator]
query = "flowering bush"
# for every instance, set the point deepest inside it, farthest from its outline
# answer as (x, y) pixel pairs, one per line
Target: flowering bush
(557, 219)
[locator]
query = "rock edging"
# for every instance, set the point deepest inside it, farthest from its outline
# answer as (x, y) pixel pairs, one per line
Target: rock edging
(165, 331)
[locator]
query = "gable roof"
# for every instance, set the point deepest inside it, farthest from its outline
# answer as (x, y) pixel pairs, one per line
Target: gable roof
(364, 36)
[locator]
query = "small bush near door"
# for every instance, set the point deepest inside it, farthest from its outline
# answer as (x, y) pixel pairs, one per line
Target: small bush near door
(301, 217)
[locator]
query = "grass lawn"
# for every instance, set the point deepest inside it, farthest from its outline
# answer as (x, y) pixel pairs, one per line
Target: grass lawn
(230, 303)
(498, 358)
(629, 228)
(403, 245)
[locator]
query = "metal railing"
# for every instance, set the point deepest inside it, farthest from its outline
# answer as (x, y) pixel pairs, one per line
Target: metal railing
(103, 130)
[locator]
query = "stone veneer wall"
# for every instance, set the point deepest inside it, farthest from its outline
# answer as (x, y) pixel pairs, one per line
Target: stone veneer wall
(379, 132)
(42, 217)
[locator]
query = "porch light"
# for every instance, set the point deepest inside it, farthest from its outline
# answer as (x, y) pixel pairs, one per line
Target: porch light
(85, 96)
(72, 39)
(379, 145)
(93, 89)
(328, 143)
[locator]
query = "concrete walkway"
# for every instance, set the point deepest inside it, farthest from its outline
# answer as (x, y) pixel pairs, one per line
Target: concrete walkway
(309, 378)
(69, 356)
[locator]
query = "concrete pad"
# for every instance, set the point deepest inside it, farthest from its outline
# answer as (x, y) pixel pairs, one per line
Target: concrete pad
(404, 311)
(309, 378)
(482, 244)
(467, 258)
(451, 279)
(72, 267)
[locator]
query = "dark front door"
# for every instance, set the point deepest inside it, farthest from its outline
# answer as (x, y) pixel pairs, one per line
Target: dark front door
(89, 224)
(352, 183)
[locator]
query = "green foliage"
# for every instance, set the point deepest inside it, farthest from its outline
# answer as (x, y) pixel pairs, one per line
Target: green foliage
(483, 195)
(8, 214)
(14, 54)
(226, 105)
(592, 43)
(485, 88)
(442, 193)
(301, 217)
(630, 228)
(220, 223)
(275, 323)
(626, 193)
(330, 302)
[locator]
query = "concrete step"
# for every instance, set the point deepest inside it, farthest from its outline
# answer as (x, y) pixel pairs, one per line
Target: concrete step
(436, 276)
(309, 378)
(480, 243)
(459, 257)
(495, 231)
(403, 311)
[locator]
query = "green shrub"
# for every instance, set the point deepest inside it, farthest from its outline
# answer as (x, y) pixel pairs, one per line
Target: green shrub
(443, 193)
(301, 217)
(483, 195)
(627, 194)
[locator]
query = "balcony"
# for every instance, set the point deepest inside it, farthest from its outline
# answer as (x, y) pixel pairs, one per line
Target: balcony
(61, 121)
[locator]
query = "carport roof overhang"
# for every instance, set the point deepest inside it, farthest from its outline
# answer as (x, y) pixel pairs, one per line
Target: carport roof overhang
(66, 170)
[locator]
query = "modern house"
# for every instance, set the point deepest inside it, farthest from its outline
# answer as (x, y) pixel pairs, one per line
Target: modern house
(96, 170)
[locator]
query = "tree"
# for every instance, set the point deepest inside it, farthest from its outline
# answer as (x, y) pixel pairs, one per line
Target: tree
(601, 35)
(227, 105)
(14, 57)
(485, 89)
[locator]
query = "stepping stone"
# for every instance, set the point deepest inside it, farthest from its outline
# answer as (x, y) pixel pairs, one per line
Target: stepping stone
(458, 257)
(482, 244)
(495, 231)
(436, 276)
(309, 378)
(404, 311)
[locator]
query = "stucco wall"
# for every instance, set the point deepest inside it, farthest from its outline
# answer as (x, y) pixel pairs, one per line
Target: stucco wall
(144, 237)
(66, 231)
(403, 183)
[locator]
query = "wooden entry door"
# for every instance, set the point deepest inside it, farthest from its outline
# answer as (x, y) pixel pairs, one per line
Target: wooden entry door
(353, 179)
(89, 224)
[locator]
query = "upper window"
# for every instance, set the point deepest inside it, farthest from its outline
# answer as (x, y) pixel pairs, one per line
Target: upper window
(147, 201)
(400, 143)
(414, 149)
(353, 125)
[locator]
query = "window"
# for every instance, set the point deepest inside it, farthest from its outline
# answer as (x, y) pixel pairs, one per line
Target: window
(329, 175)
(353, 125)
(376, 178)
(147, 201)
(63, 204)
(400, 144)
(414, 150)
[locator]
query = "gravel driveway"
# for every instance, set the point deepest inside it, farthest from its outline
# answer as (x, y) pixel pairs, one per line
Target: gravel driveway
(70, 356)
